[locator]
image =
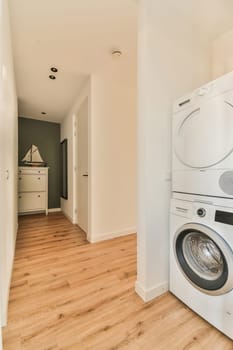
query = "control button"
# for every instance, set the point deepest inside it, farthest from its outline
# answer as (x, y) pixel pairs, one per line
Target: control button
(201, 212)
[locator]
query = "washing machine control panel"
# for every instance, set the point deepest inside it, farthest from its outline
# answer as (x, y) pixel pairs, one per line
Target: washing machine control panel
(201, 212)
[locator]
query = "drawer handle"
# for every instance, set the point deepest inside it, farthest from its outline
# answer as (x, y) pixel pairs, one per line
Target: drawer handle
(38, 178)
(20, 178)
(20, 197)
(38, 195)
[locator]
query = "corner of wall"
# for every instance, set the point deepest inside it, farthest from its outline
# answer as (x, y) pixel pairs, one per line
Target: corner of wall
(8, 185)
(110, 235)
(222, 54)
(149, 294)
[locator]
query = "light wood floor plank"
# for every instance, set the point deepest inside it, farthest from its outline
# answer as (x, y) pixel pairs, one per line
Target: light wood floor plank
(67, 294)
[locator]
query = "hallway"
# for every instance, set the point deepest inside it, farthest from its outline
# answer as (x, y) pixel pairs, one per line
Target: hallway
(69, 294)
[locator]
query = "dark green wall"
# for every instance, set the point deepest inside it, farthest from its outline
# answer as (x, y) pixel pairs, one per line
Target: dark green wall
(46, 136)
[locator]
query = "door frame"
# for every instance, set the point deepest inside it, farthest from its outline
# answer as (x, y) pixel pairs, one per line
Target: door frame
(85, 97)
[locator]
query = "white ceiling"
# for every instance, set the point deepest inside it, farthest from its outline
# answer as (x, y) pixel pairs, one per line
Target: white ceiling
(210, 18)
(76, 36)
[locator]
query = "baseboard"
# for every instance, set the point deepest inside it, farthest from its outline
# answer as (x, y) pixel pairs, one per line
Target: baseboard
(67, 216)
(114, 234)
(149, 294)
(4, 314)
(54, 210)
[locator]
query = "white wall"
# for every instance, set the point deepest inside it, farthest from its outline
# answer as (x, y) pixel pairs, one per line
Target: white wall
(172, 62)
(68, 131)
(222, 54)
(8, 160)
(113, 152)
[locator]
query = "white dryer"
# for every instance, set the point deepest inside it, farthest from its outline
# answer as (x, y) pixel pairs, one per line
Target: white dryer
(203, 140)
(201, 259)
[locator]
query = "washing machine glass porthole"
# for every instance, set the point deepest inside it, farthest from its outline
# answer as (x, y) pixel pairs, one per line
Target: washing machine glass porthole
(201, 260)
(203, 256)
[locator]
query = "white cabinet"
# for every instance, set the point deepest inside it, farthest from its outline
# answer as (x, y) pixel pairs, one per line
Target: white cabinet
(32, 190)
(32, 183)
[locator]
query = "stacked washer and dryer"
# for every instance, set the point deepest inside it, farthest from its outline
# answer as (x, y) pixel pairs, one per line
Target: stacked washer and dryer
(201, 218)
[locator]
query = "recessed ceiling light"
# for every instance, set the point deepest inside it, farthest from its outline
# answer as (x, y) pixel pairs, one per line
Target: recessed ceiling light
(43, 113)
(52, 77)
(54, 69)
(116, 53)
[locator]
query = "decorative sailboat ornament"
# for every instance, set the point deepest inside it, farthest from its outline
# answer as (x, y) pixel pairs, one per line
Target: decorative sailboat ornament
(33, 157)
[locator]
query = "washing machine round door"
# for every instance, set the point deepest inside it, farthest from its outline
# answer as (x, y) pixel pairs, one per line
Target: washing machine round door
(205, 259)
(203, 135)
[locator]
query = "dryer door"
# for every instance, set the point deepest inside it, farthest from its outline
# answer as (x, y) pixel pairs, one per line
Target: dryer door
(204, 258)
(203, 135)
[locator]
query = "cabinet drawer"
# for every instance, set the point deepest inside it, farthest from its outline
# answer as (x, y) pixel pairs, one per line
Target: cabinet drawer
(32, 171)
(32, 183)
(31, 201)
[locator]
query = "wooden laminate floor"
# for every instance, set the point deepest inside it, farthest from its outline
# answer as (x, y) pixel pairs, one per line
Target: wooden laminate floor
(68, 294)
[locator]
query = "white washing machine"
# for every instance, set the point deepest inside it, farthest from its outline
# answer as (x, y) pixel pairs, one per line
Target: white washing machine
(203, 140)
(201, 259)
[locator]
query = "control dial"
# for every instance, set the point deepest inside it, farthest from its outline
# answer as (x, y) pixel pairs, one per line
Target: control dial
(201, 212)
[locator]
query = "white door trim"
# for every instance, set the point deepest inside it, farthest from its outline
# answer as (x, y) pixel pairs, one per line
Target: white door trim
(75, 173)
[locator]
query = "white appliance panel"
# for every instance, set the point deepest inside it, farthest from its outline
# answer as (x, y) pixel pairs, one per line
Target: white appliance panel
(203, 134)
(203, 182)
(202, 154)
(216, 309)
